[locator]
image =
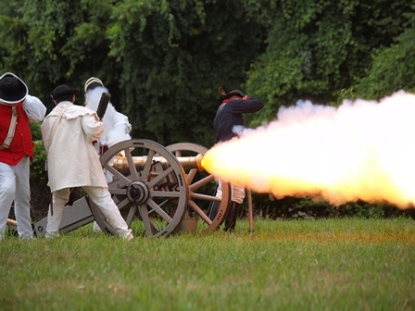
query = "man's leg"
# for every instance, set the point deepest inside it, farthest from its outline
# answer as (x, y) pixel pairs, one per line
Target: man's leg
(109, 177)
(214, 206)
(7, 191)
(237, 197)
(102, 198)
(59, 200)
(22, 199)
(231, 215)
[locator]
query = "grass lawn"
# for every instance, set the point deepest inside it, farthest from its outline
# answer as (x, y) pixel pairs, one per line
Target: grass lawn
(334, 264)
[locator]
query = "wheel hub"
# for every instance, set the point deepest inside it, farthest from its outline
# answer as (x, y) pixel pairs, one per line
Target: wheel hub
(137, 192)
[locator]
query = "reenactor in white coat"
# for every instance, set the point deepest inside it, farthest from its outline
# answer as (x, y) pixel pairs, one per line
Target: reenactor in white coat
(67, 133)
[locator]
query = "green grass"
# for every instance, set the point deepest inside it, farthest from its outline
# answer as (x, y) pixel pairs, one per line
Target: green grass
(337, 264)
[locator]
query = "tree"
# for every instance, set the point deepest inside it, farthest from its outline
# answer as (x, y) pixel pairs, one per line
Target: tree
(175, 54)
(316, 49)
(162, 60)
(393, 66)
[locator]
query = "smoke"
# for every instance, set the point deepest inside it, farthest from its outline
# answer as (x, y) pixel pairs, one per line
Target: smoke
(361, 150)
(116, 125)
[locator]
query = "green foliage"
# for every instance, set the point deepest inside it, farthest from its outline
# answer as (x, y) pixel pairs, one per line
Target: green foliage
(393, 67)
(306, 208)
(170, 82)
(55, 42)
(161, 60)
(317, 49)
(38, 163)
(38, 176)
(37, 167)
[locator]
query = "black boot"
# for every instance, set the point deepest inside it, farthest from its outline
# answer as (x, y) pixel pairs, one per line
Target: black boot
(213, 207)
(213, 210)
(232, 213)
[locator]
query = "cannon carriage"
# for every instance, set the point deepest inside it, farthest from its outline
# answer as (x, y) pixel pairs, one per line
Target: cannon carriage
(159, 191)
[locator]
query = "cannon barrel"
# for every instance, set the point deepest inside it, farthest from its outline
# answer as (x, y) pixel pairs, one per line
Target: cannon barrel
(120, 163)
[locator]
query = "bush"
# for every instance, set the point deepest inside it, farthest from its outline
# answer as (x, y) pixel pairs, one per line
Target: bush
(266, 206)
(40, 192)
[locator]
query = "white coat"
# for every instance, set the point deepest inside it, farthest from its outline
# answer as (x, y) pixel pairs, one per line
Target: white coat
(72, 159)
(116, 125)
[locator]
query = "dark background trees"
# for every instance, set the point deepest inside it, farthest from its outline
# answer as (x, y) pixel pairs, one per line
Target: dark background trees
(163, 60)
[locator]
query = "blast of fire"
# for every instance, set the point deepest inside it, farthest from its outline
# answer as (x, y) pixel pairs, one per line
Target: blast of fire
(361, 150)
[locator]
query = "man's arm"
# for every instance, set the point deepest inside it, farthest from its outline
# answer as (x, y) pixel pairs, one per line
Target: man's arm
(34, 108)
(248, 105)
(92, 126)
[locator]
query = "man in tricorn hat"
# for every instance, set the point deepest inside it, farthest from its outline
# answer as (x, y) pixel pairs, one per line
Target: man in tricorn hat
(226, 125)
(17, 109)
(117, 128)
(116, 125)
(67, 133)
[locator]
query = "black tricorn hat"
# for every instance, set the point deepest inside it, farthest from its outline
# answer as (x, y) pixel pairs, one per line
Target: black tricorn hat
(12, 89)
(230, 94)
(63, 89)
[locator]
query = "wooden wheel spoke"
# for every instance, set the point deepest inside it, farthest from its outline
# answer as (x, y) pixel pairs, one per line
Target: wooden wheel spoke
(125, 202)
(204, 197)
(159, 177)
(191, 175)
(131, 165)
(131, 214)
(165, 194)
(156, 208)
(201, 182)
(117, 191)
(148, 164)
(199, 212)
(121, 178)
(142, 209)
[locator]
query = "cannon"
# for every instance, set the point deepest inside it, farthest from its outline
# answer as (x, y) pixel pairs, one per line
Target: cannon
(156, 188)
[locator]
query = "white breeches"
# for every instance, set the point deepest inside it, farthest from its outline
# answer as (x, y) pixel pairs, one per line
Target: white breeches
(100, 196)
(237, 193)
(15, 186)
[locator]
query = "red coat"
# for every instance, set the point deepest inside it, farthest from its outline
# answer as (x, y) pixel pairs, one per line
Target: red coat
(22, 143)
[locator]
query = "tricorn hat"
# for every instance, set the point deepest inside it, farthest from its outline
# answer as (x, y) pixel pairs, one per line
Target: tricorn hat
(63, 89)
(12, 89)
(230, 94)
(92, 83)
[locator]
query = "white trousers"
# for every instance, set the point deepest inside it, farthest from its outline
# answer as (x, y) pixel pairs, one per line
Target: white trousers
(237, 193)
(100, 196)
(15, 186)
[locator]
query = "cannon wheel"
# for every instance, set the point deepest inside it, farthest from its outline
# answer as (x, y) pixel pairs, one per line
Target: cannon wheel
(157, 193)
(199, 183)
